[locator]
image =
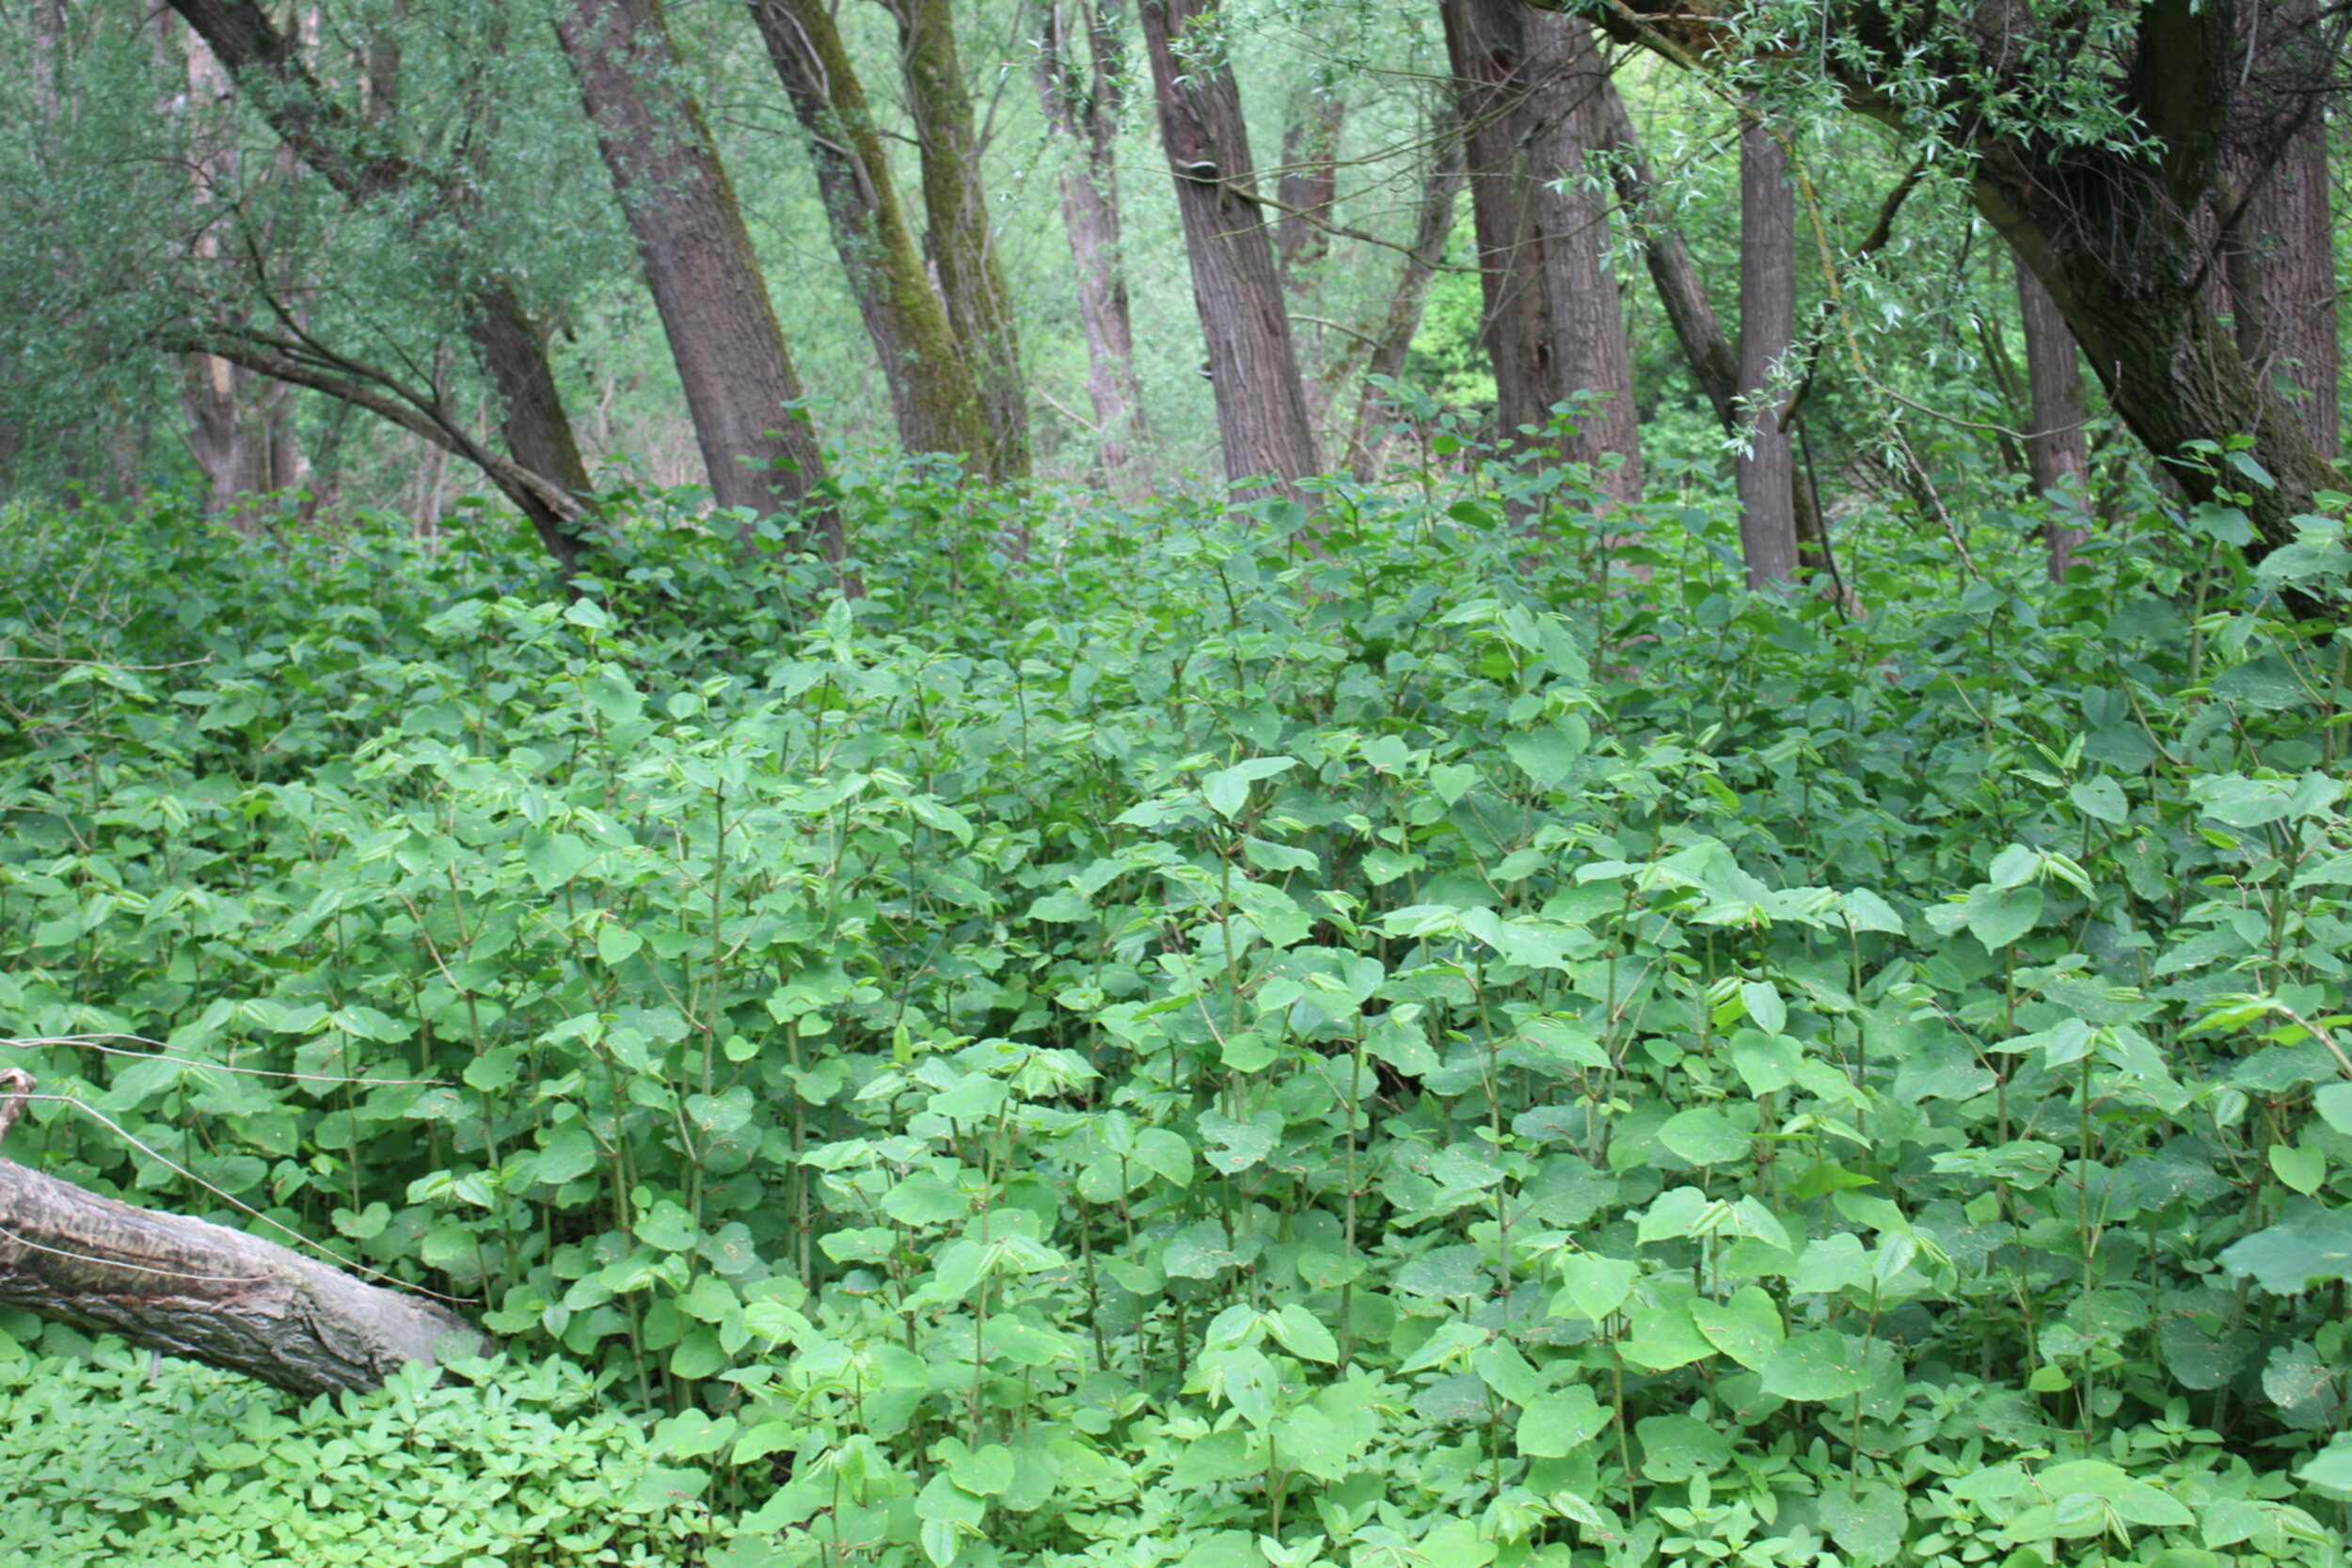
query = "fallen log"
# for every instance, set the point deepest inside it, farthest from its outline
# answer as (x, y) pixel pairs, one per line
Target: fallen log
(192, 1289)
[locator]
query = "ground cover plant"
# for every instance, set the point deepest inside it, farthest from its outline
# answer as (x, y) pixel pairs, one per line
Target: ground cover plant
(1427, 1050)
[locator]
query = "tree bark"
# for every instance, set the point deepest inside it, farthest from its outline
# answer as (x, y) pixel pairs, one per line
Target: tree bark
(1310, 185)
(1530, 92)
(356, 162)
(1253, 364)
(1681, 293)
(1081, 103)
(199, 1290)
(760, 455)
(1768, 321)
(935, 397)
(2057, 454)
(960, 240)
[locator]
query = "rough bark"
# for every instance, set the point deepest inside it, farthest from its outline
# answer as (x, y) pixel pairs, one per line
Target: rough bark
(960, 239)
(1309, 187)
(1253, 365)
(1081, 104)
(935, 396)
(356, 161)
(2281, 240)
(705, 281)
(1440, 194)
(199, 1290)
(1529, 88)
(2110, 228)
(2057, 452)
(1766, 473)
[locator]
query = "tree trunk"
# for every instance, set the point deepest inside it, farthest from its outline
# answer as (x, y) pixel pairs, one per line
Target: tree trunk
(961, 241)
(199, 1290)
(1082, 103)
(1308, 194)
(2110, 227)
(760, 455)
(1440, 194)
(354, 162)
(2057, 454)
(1253, 365)
(1768, 323)
(933, 394)
(2281, 251)
(1530, 92)
(1680, 291)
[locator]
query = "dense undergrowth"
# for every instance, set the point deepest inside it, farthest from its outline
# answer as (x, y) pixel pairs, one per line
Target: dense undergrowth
(1188, 1051)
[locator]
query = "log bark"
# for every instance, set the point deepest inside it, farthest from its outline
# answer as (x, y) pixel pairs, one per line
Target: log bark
(1254, 363)
(196, 1290)
(759, 454)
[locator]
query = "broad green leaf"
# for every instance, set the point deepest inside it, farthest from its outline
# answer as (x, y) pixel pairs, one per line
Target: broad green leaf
(1821, 1365)
(1592, 1287)
(1704, 1136)
(2311, 1247)
(1558, 1424)
(1746, 1327)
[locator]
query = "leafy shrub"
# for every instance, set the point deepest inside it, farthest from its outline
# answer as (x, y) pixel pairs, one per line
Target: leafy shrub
(1203, 1050)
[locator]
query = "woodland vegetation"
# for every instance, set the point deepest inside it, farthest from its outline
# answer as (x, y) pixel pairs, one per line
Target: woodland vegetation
(803, 784)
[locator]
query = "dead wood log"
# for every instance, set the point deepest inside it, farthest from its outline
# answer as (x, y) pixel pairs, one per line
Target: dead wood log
(201, 1290)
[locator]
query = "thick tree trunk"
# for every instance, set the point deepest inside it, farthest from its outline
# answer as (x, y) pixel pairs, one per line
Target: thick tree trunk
(1768, 322)
(1081, 103)
(1307, 196)
(934, 393)
(354, 162)
(698, 260)
(199, 1290)
(1253, 365)
(1530, 92)
(962, 240)
(2057, 454)
(1440, 194)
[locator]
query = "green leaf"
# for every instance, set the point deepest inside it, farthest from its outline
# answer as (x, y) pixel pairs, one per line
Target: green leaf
(1704, 1136)
(555, 859)
(2312, 1247)
(2300, 1168)
(1558, 1424)
(2100, 798)
(1746, 1328)
(1764, 1006)
(1821, 1365)
(1592, 1287)
(2329, 1471)
(1303, 1334)
(1998, 916)
(2333, 1101)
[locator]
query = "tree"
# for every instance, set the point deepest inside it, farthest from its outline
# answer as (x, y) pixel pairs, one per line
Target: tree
(1433, 223)
(1253, 365)
(1081, 104)
(741, 388)
(1530, 93)
(960, 240)
(2057, 454)
(2092, 137)
(547, 478)
(934, 395)
(1766, 471)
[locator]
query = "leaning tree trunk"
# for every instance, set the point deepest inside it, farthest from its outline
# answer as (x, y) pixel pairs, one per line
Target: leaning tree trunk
(963, 242)
(199, 1290)
(761, 455)
(355, 160)
(1768, 324)
(933, 394)
(1253, 365)
(1082, 104)
(2057, 454)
